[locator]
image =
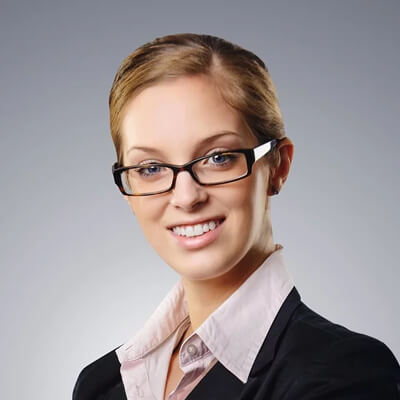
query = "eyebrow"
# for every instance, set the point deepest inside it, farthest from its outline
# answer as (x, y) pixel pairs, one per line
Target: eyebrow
(206, 140)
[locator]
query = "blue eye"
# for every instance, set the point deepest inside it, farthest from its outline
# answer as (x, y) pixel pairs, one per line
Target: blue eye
(221, 159)
(151, 170)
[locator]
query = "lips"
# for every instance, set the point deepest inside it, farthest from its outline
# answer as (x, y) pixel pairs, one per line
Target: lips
(197, 235)
(195, 230)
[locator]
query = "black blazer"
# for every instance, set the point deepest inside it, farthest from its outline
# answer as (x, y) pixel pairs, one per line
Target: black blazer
(303, 357)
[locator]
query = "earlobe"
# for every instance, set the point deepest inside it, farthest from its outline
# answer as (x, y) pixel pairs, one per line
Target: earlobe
(273, 191)
(274, 188)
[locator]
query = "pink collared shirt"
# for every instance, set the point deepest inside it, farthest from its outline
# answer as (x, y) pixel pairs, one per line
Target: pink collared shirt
(145, 358)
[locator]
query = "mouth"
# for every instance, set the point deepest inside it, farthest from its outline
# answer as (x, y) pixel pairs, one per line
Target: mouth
(191, 230)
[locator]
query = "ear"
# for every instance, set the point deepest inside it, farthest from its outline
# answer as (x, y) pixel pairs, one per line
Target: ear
(280, 171)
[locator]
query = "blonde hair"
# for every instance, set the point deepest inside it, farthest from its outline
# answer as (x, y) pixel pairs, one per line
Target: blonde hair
(241, 77)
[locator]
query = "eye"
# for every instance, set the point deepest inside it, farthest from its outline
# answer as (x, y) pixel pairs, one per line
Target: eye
(150, 169)
(221, 158)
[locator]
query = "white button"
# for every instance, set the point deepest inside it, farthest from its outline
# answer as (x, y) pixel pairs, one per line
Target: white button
(192, 350)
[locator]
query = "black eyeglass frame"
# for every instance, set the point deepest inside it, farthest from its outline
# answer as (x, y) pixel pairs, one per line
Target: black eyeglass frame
(251, 158)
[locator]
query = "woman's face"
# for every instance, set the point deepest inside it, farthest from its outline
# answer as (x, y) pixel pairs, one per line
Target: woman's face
(174, 122)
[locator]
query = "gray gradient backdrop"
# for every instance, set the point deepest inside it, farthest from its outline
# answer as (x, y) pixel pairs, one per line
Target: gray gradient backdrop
(76, 276)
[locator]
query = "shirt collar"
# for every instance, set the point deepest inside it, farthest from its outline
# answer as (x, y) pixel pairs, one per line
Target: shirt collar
(171, 313)
(235, 331)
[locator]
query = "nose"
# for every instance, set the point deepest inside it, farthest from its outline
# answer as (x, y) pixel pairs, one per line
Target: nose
(187, 193)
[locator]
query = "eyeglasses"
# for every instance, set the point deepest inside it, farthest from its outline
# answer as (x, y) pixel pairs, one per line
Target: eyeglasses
(214, 169)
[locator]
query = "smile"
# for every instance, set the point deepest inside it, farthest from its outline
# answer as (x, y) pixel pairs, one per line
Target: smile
(196, 230)
(198, 234)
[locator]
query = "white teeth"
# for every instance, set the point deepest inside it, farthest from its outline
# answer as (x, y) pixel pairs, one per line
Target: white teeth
(198, 230)
(195, 230)
(189, 231)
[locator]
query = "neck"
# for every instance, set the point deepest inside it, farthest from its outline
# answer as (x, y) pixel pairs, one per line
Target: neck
(203, 297)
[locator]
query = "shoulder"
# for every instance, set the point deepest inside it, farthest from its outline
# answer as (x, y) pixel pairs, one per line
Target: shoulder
(327, 359)
(312, 329)
(100, 379)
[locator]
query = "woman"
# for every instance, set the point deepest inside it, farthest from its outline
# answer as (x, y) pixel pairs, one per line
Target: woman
(201, 148)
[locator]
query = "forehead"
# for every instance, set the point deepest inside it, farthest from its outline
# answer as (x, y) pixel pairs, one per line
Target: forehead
(175, 116)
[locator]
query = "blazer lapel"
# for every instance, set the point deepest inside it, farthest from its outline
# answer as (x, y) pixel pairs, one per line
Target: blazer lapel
(217, 384)
(100, 380)
(267, 352)
(220, 383)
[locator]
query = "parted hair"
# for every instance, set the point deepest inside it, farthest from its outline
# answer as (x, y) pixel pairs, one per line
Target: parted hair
(241, 77)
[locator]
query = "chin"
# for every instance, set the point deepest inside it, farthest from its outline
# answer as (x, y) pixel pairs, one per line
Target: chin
(205, 262)
(202, 274)
(202, 267)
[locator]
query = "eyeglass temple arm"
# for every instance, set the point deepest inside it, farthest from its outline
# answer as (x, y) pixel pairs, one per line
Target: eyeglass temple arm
(264, 148)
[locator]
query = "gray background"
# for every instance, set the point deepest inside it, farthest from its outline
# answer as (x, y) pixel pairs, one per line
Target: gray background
(76, 276)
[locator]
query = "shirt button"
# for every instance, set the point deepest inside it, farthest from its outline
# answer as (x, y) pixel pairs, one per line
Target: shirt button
(192, 350)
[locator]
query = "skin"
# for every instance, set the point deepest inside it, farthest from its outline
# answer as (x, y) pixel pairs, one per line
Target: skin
(174, 117)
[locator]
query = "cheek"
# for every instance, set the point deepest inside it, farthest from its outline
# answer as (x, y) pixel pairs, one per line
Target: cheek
(244, 204)
(250, 196)
(146, 211)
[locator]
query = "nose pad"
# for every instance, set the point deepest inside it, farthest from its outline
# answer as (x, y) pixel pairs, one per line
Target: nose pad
(187, 193)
